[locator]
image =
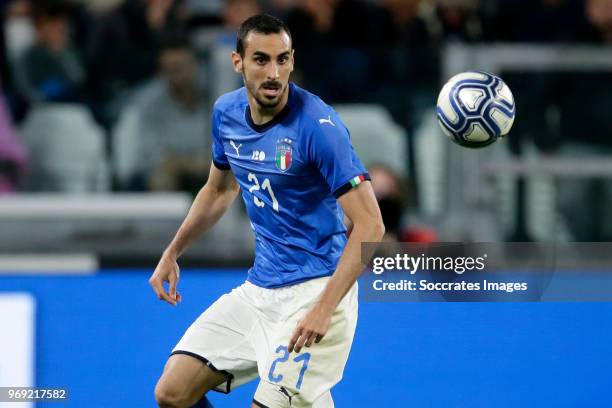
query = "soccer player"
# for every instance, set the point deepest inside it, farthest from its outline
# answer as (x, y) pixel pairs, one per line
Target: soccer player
(292, 322)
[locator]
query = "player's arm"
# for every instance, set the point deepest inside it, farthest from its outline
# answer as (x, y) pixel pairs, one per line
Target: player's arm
(209, 205)
(360, 206)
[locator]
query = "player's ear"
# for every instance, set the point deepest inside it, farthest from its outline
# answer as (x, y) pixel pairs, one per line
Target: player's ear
(237, 62)
(292, 59)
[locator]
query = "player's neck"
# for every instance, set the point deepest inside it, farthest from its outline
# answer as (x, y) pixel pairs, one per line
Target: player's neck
(261, 115)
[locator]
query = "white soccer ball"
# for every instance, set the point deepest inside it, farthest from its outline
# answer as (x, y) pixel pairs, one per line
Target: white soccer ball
(475, 109)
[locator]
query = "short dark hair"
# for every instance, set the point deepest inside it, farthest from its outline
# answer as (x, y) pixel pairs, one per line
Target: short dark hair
(260, 23)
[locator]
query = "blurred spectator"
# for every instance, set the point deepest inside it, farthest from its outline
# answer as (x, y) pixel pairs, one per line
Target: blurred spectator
(599, 13)
(199, 14)
(340, 34)
(123, 49)
(389, 191)
(341, 23)
(17, 36)
(459, 20)
(401, 16)
(234, 12)
(13, 157)
(51, 70)
(534, 21)
(407, 67)
(173, 132)
(99, 7)
(19, 31)
(204, 8)
(279, 8)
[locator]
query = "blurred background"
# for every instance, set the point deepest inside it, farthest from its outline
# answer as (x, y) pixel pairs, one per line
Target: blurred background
(105, 138)
(105, 128)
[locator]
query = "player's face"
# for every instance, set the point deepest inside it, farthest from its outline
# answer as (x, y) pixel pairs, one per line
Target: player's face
(266, 67)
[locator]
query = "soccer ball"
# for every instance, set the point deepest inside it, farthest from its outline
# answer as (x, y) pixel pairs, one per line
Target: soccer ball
(475, 109)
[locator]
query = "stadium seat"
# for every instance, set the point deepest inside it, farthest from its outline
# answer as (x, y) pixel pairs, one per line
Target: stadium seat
(430, 165)
(67, 149)
(375, 136)
(126, 135)
(125, 146)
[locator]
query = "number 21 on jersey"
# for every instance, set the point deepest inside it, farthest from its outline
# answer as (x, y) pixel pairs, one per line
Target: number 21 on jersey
(264, 186)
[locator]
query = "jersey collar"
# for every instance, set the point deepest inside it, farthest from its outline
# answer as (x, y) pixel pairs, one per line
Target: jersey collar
(275, 120)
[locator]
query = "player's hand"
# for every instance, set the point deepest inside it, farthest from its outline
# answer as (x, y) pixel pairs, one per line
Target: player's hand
(312, 327)
(167, 271)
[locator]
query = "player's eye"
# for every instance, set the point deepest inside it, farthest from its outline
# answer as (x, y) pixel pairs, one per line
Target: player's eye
(283, 59)
(260, 60)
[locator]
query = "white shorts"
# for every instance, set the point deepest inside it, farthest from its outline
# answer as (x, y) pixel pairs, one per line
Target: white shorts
(245, 334)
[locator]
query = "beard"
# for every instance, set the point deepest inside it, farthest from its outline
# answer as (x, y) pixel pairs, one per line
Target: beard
(262, 100)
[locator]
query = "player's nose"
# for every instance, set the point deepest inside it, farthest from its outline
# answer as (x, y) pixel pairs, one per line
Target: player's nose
(274, 71)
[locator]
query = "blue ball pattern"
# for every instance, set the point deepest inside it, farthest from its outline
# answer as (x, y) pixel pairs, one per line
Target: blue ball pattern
(481, 115)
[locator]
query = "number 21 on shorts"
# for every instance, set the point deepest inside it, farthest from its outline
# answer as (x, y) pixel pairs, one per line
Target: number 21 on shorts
(304, 358)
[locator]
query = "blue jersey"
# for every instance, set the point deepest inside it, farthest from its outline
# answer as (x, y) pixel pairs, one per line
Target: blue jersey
(290, 171)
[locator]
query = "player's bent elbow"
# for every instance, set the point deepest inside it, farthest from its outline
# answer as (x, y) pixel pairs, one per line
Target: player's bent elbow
(379, 229)
(372, 227)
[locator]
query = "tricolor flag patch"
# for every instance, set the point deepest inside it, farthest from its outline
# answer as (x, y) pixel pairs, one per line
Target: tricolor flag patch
(284, 154)
(357, 180)
(352, 183)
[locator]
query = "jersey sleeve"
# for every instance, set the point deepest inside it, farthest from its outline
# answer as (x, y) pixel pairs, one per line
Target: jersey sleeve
(218, 152)
(332, 153)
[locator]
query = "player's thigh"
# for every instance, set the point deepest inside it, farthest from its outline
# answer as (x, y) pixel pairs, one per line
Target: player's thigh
(186, 379)
(301, 379)
(222, 339)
